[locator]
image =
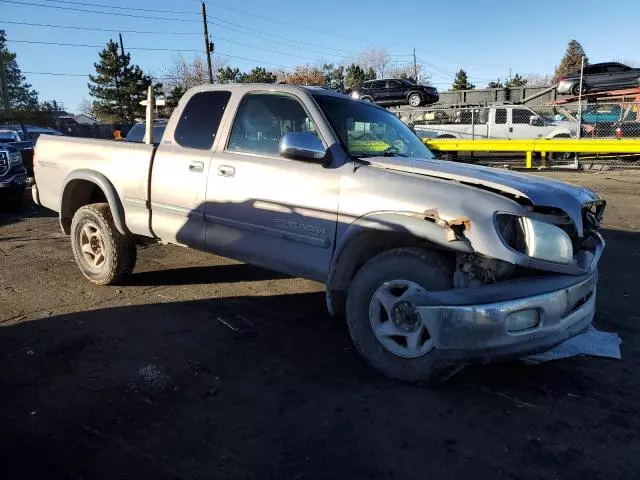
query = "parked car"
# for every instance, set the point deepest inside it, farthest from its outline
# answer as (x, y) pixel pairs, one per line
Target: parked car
(24, 147)
(13, 176)
(608, 120)
(138, 131)
(396, 92)
(435, 263)
(23, 137)
(500, 121)
(600, 77)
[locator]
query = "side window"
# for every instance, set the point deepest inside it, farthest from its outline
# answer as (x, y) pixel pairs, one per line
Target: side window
(501, 116)
(521, 115)
(617, 68)
(393, 84)
(378, 84)
(200, 119)
(263, 119)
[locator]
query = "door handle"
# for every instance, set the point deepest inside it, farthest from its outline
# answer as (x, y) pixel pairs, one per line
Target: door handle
(196, 167)
(510, 129)
(226, 171)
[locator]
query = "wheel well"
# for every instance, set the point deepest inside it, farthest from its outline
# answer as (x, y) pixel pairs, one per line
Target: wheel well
(77, 194)
(414, 93)
(361, 248)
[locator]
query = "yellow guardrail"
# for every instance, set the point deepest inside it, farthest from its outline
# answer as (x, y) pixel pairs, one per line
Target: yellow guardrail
(538, 145)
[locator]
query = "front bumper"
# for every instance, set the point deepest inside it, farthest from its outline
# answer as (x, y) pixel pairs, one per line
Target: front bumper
(14, 183)
(470, 324)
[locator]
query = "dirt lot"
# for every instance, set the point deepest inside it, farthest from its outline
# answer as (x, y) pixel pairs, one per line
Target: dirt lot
(146, 380)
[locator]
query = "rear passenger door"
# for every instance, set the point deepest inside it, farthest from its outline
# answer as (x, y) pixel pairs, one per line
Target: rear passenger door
(395, 92)
(180, 167)
(379, 91)
(500, 129)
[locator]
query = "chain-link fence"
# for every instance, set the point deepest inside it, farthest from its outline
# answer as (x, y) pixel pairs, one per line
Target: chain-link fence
(590, 120)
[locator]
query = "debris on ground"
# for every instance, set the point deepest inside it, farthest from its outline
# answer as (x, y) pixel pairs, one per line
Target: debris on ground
(593, 342)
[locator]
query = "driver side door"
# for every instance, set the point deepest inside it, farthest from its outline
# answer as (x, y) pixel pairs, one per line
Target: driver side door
(266, 209)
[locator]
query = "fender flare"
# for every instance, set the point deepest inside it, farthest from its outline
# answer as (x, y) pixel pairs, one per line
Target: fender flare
(113, 199)
(558, 132)
(411, 92)
(405, 223)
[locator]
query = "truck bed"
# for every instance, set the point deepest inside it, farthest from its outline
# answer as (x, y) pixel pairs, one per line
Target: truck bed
(125, 165)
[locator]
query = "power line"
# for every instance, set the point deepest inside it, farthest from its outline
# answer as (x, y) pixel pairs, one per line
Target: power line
(60, 44)
(136, 9)
(270, 19)
(253, 32)
(118, 13)
(119, 30)
(98, 29)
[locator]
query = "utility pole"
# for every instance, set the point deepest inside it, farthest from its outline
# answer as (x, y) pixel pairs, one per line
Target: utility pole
(208, 45)
(121, 48)
(4, 90)
(415, 66)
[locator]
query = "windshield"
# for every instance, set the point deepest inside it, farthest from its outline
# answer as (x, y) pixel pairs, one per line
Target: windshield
(9, 136)
(136, 134)
(368, 131)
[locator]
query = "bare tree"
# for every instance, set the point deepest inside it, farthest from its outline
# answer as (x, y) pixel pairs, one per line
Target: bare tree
(86, 107)
(376, 58)
(538, 80)
(186, 73)
(407, 72)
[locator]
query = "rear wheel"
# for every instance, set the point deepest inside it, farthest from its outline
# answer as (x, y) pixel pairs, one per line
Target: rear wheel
(575, 89)
(415, 100)
(562, 157)
(382, 317)
(104, 255)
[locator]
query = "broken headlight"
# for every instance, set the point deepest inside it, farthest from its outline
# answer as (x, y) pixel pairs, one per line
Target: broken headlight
(535, 238)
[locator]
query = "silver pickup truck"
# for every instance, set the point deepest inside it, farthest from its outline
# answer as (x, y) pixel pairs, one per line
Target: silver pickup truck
(435, 264)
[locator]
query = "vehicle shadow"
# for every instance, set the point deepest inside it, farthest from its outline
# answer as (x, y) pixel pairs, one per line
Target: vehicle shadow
(229, 273)
(14, 210)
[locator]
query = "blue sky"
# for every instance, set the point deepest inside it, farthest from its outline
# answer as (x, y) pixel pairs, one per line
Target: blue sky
(486, 40)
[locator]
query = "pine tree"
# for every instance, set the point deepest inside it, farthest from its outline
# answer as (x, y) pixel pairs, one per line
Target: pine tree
(257, 75)
(516, 81)
(22, 97)
(355, 76)
(461, 82)
(229, 75)
(118, 88)
(572, 60)
(496, 84)
(334, 76)
(172, 99)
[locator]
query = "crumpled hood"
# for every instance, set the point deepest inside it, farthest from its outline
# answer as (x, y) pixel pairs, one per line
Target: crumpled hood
(541, 191)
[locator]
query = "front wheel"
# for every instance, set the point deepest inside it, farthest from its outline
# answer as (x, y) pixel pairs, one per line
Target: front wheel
(104, 255)
(415, 100)
(382, 318)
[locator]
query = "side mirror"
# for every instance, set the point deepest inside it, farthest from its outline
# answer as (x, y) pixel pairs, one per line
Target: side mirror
(302, 146)
(536, 121)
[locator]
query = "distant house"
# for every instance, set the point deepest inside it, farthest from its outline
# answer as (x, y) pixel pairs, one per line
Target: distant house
(84, 119)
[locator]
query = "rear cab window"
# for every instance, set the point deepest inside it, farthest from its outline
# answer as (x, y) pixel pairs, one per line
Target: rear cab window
(501, 116)
(200, 119)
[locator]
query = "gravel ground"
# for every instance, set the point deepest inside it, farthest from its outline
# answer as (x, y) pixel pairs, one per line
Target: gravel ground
(201, 367)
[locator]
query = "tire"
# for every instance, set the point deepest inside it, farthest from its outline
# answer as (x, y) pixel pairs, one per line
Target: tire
(422, 269)
(575, 89)
(562, 156)
(103, 254)
(414, 100)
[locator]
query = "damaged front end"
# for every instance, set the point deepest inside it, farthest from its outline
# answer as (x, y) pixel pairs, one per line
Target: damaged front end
(539, 294)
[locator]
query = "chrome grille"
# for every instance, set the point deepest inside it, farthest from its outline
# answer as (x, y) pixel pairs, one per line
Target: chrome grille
(4, 166)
